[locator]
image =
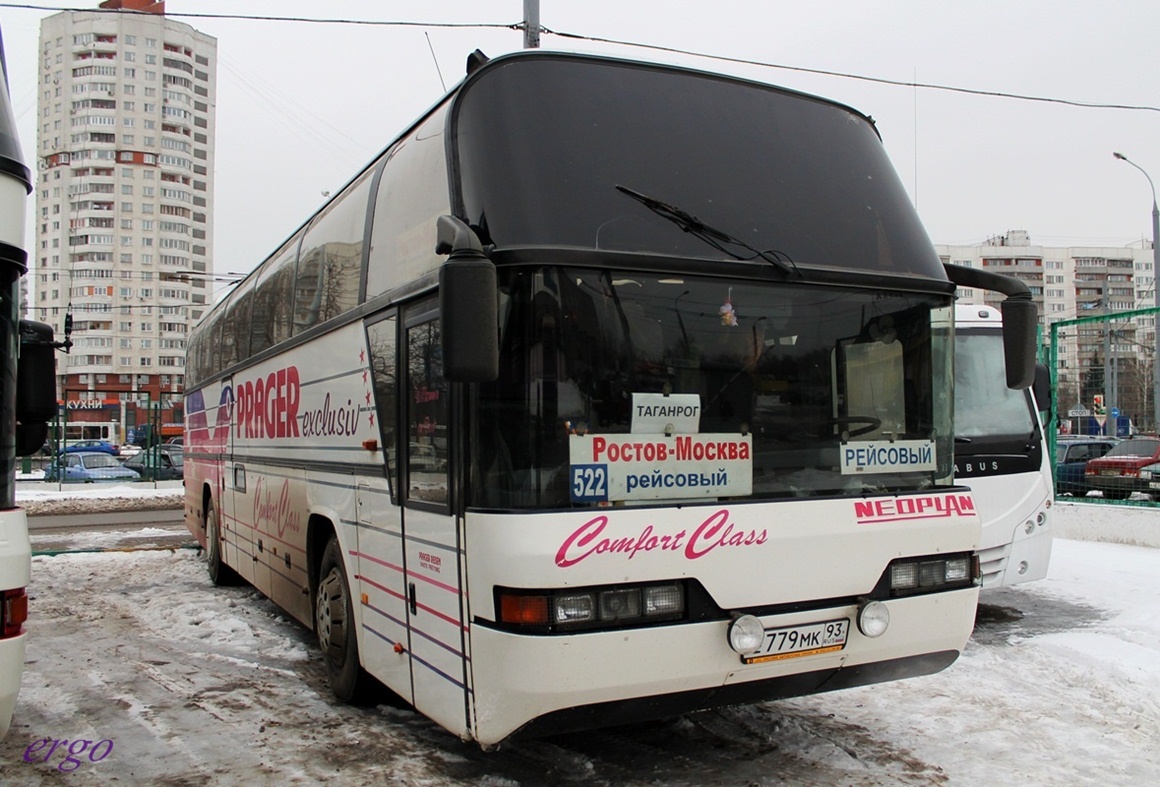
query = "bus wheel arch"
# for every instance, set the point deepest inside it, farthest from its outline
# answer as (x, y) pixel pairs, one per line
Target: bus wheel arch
(319, 531)
(335, 625)
(219, 573)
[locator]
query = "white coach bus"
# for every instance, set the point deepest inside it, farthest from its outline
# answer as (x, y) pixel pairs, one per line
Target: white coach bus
(608, 391)
(1001, 452)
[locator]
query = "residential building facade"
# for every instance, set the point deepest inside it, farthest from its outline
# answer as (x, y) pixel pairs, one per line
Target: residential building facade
(124, 202)
(1076, 282)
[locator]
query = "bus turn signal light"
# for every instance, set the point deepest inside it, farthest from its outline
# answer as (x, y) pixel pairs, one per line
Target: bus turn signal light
(524, 610)
(13, 612)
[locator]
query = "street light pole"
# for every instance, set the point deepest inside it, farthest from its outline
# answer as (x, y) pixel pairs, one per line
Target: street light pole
(1155, 294)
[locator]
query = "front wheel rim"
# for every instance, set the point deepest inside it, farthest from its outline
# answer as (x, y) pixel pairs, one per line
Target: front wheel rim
(330, 616)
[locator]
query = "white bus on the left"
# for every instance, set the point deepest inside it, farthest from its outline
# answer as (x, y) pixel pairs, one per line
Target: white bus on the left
(27, 402)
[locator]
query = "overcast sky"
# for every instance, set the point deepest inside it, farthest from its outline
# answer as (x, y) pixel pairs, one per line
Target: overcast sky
(303, 106)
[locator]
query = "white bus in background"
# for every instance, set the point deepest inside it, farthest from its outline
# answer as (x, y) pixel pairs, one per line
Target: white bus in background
(27, 403)
(1001, 452)
(523, 438)
(109, 431)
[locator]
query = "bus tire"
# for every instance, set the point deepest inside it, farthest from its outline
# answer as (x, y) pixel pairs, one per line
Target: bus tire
(219, 573)
(334, 625)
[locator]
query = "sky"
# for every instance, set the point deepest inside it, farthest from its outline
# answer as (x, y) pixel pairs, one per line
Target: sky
(302, 106)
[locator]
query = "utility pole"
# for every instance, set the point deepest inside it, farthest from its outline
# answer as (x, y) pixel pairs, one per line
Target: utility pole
(1155, 290)
(531, 24)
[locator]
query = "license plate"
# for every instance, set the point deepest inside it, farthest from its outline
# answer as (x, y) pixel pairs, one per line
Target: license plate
(1154, 484)
(1109, 472)
(791, 642)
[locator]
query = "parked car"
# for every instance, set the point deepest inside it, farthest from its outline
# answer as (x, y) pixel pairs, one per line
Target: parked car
(1071, 458)
(1126, 469)
(164, 463)
(103, 446)
(178, 440)
(88, 466)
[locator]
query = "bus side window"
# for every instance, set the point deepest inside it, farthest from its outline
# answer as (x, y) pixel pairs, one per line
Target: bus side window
(382, 343)
(426, 414)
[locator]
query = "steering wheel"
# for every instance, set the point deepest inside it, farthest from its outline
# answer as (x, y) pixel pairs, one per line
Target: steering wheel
(863, 424)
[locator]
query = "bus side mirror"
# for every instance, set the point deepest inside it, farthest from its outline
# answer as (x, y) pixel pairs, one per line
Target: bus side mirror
(1020, 322)
(35, 386)
(468, 298)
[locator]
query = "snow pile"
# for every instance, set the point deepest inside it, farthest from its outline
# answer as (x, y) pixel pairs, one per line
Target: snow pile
(41, 499)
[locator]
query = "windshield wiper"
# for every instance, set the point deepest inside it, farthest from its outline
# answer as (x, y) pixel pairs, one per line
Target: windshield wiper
(711, 235)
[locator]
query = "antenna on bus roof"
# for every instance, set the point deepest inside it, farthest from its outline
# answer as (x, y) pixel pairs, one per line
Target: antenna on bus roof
(437, 69)
(476, 60)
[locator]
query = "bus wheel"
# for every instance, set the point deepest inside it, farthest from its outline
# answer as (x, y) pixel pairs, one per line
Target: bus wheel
(334, 624)
(219, 573)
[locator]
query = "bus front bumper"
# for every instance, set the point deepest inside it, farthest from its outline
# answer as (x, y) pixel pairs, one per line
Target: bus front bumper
(551, 684)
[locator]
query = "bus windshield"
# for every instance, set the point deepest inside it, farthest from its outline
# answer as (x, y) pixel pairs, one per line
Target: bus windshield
(985, 408)
(822, 387)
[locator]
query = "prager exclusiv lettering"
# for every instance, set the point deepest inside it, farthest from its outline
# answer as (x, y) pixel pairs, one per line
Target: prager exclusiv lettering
(268, 406)
(716, 532)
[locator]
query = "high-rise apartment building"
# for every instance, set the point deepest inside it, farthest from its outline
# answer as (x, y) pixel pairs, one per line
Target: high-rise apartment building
(124, 203)
(1077, 282)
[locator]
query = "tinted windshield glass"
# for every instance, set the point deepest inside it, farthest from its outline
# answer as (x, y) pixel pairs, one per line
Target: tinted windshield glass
(543, 141)
(781, 390)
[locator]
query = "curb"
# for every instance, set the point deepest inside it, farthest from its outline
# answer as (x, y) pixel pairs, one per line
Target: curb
(1114, 524)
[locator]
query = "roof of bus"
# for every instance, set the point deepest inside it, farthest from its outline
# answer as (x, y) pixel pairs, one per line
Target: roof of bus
(977, 315)
(493, 66)
(499, 62)
(544, 55)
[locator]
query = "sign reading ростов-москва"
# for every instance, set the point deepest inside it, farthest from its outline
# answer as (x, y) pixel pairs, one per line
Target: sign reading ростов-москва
(657, 466)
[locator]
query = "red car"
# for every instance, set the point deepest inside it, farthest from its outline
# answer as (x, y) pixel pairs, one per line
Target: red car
(1127, 468)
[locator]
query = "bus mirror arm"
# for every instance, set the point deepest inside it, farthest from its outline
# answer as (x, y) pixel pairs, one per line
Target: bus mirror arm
(1020, 319)
(453, 236)
(468, 305)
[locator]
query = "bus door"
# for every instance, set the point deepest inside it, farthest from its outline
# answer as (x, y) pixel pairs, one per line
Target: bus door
(380, 568)
(238, 544)
(433, 583)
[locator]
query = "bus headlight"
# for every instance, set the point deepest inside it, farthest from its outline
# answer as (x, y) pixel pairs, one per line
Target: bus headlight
(746, 634)
(873, 618)
(909, 576)
(553, 611)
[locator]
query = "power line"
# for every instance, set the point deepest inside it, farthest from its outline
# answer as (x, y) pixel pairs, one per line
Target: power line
(269, 18)
(913, 85)
(861, 77)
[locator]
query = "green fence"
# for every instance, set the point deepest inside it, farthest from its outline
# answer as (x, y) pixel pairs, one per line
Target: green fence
(1104, 383)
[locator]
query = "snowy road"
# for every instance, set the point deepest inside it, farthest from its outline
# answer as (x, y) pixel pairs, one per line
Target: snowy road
(194, 685)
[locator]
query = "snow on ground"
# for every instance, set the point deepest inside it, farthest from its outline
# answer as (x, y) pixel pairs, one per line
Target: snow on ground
(38, 497)
(1060, 685)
